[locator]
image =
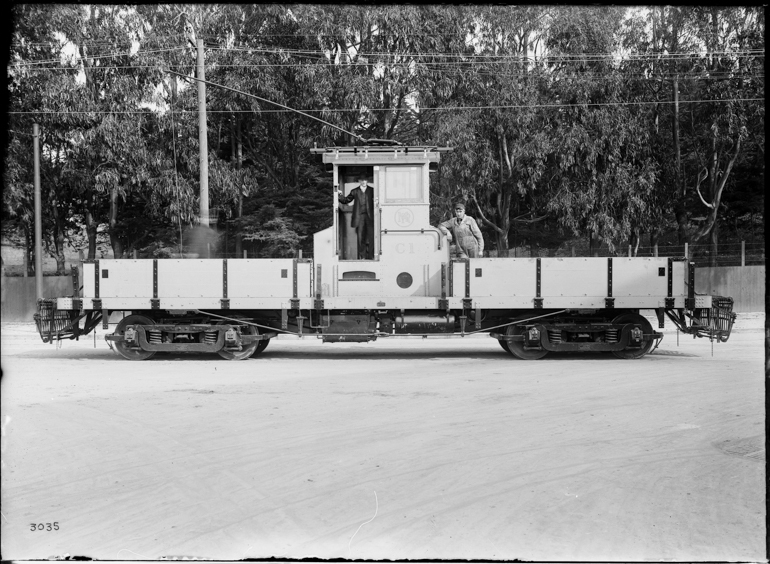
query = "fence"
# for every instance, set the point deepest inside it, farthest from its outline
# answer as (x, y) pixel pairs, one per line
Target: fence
(729, 254)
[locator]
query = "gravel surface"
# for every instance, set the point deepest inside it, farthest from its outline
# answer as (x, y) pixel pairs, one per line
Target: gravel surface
(398, 449)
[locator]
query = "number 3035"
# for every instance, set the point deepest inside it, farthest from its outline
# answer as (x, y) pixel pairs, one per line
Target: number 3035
(44, 526)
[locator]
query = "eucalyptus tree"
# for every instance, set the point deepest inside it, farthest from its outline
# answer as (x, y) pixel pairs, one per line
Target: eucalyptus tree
(500, 133)
(39, 89)
(703, 67)
(725, 132)
(602, 166)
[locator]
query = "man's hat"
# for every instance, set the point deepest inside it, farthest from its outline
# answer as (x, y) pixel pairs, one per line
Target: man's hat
(459, 205)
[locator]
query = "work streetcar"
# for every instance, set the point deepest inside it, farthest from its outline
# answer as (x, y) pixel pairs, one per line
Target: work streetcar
(412, 286)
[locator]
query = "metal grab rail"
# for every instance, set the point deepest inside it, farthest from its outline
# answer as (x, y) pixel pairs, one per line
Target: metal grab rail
(423, 230)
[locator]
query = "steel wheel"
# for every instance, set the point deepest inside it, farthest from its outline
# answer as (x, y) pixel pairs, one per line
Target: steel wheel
(262, 345)
(516, 348)
(122, 348)
(646, 329)
(246, 350)
(504, 345)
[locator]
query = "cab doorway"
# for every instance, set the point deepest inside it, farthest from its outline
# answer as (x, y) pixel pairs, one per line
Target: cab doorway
(358, 219)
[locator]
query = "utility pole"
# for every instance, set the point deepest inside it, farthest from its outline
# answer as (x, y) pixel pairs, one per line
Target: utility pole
(38, 215)
(203, 139)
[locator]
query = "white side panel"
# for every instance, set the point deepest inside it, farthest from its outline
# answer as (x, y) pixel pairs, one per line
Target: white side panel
(304, 280)
(189, 278)
(679, 280)
(415, 254)
(501, 277)
(396, 216)
(265, 278)
(370, 288)
(573, 277)
(457, 286)
(639, 277)
(125, 278)
(89, 286)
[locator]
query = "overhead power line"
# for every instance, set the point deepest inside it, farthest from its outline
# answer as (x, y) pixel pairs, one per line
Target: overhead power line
(103, 56)
(441, 108)
(464, 57)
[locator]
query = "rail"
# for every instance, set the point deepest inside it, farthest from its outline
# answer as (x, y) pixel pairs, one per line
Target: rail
(423, 230)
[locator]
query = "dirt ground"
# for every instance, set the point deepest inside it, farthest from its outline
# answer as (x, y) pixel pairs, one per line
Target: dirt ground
(398, 449)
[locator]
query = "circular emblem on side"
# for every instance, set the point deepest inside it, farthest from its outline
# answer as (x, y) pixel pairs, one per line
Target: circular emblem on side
(404, 280)
(404, 217)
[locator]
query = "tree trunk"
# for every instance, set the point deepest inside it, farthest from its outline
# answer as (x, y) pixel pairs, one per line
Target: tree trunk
(714, 239)
(502, 245)
(58, 234)
(91, 228)
(681, 219)
(59, 244)
(636, 237)
(677, 145)
(115, 242)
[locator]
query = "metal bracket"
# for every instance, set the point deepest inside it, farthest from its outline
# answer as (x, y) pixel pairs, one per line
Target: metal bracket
(689, 303)
(669, 303)
(96, 304)
(609, 303)
(294, 303)
(105, 319)
(538, 303)
(318, 303)
(225, 303)
(443, 303)
(467, 303)
(155, 303)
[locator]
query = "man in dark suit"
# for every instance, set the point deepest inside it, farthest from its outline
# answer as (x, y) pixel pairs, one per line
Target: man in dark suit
(363, 217)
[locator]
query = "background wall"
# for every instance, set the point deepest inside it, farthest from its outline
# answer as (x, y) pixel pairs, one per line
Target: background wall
(18, 295)
(745, 284)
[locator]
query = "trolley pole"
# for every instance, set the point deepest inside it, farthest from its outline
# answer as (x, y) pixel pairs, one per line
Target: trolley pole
(203, 139)
(38, 215)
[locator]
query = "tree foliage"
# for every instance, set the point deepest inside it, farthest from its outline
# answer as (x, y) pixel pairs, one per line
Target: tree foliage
(603, 123)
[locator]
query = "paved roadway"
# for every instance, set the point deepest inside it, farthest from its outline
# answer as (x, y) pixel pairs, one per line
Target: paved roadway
(401, 449)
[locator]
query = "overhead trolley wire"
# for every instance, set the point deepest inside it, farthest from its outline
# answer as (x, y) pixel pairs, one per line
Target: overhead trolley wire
(464, 57)
(419, 109)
